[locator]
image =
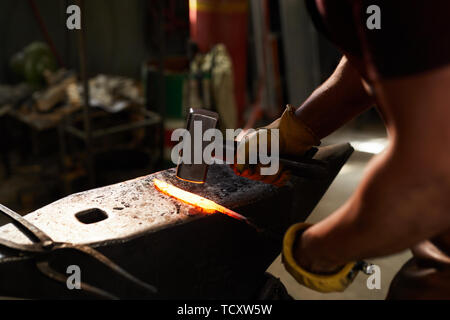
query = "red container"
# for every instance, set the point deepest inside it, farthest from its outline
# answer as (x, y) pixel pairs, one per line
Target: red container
(223, 21)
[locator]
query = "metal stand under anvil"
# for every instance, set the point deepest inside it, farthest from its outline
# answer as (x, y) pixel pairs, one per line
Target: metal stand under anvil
(168, 244)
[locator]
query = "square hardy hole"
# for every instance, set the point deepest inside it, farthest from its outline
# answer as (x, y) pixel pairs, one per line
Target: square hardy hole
(91, 215)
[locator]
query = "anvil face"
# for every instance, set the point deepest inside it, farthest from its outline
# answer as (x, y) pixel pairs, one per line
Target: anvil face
(165, 242)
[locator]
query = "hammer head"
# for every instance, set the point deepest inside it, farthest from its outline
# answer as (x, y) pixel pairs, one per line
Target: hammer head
(198, 121)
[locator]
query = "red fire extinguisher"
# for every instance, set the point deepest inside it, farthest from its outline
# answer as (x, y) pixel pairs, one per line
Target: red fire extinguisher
(223, 21)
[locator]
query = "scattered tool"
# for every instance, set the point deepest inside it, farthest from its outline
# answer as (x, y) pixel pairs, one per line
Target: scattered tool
(43, 245)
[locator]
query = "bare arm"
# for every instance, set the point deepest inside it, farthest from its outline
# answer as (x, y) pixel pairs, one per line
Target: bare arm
(339, 99)
(404, 196)
(335, 102)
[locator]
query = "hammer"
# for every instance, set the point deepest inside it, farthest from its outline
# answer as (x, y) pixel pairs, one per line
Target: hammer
(196, 173)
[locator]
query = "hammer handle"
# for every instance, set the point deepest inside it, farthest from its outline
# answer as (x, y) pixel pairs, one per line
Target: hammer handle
(305, 167)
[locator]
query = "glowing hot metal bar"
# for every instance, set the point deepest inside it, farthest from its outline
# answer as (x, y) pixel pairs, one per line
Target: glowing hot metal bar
(206, 205)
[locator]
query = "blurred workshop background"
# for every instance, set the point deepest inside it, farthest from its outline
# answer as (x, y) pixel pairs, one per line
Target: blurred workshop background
(86, 108)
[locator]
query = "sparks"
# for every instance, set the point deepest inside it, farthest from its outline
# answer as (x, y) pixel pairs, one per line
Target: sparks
(206, 205)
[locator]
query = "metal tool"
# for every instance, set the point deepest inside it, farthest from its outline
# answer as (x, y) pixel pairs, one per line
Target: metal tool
(206, 205)
(192, 172)
(209, 206)
(43, 246)
(303, 167)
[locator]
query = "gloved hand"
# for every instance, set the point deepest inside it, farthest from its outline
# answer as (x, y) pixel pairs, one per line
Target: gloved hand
(338, 281)
(295, 138)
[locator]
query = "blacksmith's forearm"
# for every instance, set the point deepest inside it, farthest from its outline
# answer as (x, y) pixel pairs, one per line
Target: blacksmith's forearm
(336, 101)
(396, 206)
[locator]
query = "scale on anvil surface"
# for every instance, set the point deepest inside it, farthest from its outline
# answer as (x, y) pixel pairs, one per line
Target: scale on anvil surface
(164, 242)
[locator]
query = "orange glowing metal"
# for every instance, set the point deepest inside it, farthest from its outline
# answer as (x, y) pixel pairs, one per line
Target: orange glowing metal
(206, 205)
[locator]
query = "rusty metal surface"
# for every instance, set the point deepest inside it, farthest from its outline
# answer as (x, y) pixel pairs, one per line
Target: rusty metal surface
(167, 243)
(135, 206)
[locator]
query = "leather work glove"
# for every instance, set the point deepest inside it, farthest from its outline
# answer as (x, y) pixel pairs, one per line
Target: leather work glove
(295, 138)
(338, 281)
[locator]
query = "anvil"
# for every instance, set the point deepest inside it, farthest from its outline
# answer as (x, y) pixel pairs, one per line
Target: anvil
(169, 244)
